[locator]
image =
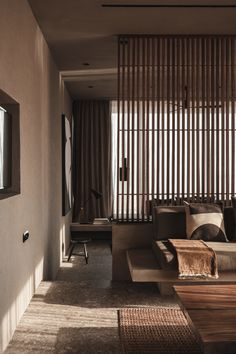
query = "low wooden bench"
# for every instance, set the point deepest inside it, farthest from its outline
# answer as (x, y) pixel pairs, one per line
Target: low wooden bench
(144, 267)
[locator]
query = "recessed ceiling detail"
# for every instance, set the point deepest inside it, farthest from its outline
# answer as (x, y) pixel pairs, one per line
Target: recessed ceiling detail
(80, 32)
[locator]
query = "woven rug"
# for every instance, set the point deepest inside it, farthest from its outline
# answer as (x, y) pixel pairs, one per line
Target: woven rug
(156, 330)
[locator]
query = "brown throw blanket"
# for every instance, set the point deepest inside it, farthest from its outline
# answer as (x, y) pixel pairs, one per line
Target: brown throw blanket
(195, 259)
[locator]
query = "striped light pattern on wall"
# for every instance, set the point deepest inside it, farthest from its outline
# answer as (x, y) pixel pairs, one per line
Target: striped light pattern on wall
(175, 122)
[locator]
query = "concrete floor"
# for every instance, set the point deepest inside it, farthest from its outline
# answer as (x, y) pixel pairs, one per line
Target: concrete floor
(78, 312)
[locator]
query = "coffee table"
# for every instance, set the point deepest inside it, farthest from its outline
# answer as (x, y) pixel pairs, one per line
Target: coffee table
(211, 312)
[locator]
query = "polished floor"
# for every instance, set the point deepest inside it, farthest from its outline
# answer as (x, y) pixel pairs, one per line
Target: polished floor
(78, 312)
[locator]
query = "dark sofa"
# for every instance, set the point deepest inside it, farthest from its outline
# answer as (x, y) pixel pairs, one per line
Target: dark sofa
(170, 222)
(159, 263)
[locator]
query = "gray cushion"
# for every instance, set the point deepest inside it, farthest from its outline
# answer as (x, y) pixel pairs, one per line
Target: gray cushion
(169, 222)
(234, 214)
(229, 223)
(165, 255)
(225, 255)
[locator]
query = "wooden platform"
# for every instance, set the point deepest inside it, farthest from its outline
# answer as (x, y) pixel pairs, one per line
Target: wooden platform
(143, 267)
(211, 312)
(75, 226)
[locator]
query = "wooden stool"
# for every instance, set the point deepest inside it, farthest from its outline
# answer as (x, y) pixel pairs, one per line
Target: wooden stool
(83, 242)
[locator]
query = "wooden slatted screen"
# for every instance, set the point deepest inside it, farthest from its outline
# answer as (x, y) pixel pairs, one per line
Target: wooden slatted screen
(175, 122)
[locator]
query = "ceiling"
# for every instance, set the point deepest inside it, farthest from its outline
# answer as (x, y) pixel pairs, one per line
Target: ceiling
(82, 34)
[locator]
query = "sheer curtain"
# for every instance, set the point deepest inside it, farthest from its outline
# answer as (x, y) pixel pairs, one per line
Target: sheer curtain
(92, 158)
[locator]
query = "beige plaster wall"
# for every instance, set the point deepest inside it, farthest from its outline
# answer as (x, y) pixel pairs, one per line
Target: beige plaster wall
(29, 75)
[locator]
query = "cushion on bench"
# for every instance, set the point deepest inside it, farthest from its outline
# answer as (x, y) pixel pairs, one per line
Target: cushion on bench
(165, 254)
(225, 255)
(169, 222)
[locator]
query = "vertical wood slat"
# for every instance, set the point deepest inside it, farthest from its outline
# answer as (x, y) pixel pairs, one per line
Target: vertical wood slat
(133, 131)
(188, 92)
(167, 120)
(203, 117)
(198, 177)
(123, 88)
(143, 157)
(212, 100)
(222, 119)
(233, 113)
(118, 127)
(147, 99)
(227, 119)
(173, 119)
(217, 120)
(138, 118)
(127, 139)
(193, 63)
(158, 184)
(183, 118)
(207, 135)
(153, 95)
(163, 118)
(178, 120)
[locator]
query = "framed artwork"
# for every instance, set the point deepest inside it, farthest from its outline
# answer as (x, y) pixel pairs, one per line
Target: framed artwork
(66, 165)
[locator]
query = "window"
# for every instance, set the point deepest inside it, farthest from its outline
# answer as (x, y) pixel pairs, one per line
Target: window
(9, 146)
(5, 149)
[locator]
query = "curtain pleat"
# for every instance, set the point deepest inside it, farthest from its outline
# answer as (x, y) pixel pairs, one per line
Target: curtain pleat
(92, 159)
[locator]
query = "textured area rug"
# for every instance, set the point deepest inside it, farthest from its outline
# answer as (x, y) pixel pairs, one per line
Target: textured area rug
(156, 330)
